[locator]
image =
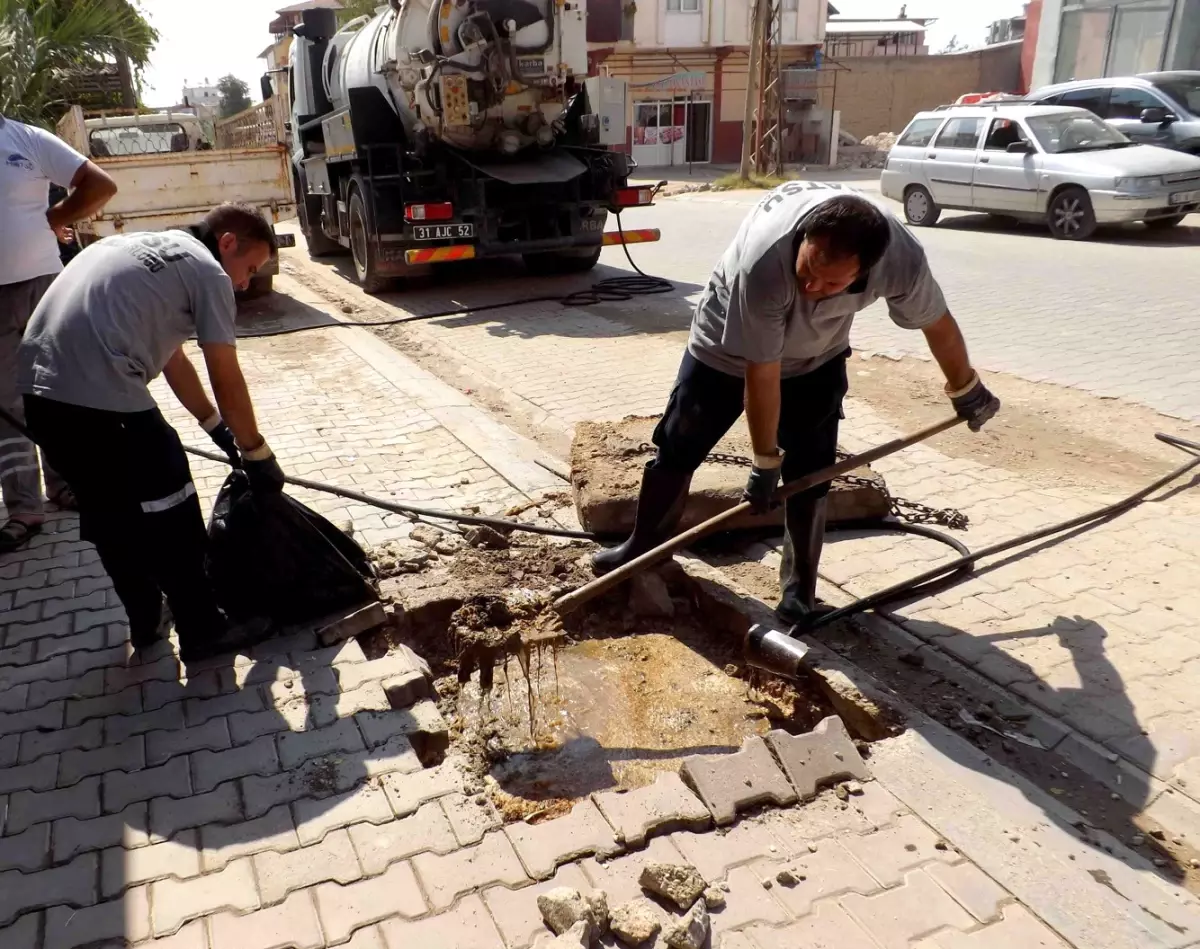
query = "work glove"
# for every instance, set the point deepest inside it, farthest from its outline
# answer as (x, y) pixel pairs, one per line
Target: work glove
(974, 403)
(223, 438)
(762, 483)
(263, 470)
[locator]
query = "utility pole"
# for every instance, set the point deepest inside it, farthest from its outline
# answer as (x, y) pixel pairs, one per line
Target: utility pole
(768, 139)
(753, 68)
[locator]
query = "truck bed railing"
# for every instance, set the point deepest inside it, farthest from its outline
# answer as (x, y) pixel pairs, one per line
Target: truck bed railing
(260, 126)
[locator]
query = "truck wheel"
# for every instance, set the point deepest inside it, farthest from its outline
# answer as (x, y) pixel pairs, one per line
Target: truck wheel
(561, 262)
(308, 209)
(366, 267)
(1070, 215)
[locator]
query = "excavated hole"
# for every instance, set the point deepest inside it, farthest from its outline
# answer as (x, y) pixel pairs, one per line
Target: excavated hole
(625, 695)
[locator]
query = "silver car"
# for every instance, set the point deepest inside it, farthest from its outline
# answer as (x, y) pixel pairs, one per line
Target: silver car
(1063, 166)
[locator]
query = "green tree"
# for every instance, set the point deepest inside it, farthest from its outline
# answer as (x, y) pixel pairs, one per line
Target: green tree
(44, 43)
(235, 95)
(356, 8)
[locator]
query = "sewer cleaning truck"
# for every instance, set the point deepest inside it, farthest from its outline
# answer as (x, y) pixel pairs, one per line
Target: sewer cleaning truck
(444, 130)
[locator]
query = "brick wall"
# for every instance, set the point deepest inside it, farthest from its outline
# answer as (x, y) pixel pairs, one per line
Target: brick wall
(880, 94)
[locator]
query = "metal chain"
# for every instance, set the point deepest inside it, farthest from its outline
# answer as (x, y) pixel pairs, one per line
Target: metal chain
(914, 512)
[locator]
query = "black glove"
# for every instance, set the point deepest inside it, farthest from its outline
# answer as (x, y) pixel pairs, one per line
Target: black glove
(976, 405)
(760, 488)
(223, 438)
(263, 470)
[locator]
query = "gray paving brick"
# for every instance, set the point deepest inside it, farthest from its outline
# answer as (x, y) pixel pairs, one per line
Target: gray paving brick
(169, 780)
(26, 808)
(126, 918)
(19, 655)
(25, 632)
(162, 745)
(83, 737)
(64, 590)
(296, 748)
(119, 678)
(314, 682)
(199, 711)
(10, 746)
(41, 775)
(87, 686)
(15, 699)
(121, 868)
(819, 757)
(46, 717)
(728, 783)
(26, 851)
(303, 714)
(210, 768)
(118, 728)
(126, 829)
(130, 755)
(53, 646)
(79, 663)
(31, 671)
(86, 619)
(202, 685)
(128, 702)
(168, 816)
(73, 884)
(23, 934)
(224, 843)
(422, 718)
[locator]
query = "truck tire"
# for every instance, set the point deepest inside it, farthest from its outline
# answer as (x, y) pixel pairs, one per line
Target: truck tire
(308, 208)
(366, 267)
(561, 262)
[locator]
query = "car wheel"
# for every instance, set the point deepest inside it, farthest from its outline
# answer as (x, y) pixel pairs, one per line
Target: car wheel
(919, 207)
(1163, 223)
(1070, 215)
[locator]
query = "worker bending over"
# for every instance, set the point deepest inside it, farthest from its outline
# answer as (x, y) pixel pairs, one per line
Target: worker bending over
(772, 333)
(96, 340)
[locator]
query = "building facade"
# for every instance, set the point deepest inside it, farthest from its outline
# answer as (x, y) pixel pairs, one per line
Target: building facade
(1086, 39)
(686, 63)
(846, 37)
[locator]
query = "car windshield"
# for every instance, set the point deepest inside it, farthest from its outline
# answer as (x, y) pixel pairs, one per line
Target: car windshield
(1184, 90)
(1075, 132)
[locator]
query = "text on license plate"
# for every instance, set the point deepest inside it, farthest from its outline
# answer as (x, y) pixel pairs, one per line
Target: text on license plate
(285, 240)
(438, 232)
(1185, 197)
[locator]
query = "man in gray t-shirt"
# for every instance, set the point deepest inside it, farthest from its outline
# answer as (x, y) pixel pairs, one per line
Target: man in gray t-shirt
(117, 320)
(771, 333)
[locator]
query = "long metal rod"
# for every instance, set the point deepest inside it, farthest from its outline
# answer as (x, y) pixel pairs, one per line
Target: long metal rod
(570, 601)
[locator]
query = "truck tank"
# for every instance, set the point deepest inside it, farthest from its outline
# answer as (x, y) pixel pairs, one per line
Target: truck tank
(482, 75)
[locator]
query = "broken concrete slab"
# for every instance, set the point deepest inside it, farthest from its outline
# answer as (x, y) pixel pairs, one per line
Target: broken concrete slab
(691, 932)
(822, 756)
(362, 620)
(659, 808)
(729, 783)
(635, 922)
(607, 459)
(681, 883)
(562, 908)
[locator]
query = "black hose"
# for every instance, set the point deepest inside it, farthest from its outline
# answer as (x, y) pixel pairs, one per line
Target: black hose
(964, 564)
(608, 290)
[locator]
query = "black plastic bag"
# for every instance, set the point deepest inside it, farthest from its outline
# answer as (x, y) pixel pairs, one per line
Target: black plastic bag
(269, 555)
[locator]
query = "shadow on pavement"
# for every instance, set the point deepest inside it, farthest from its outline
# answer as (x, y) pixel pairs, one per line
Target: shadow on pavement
(1132, 235)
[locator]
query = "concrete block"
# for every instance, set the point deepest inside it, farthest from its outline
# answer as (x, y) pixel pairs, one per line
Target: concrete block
(362, 620)
(822, 756)
(542, 847)
(663, 807)
(729, 783)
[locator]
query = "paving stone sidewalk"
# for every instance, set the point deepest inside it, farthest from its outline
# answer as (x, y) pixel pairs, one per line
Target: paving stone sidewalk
(1101, 631)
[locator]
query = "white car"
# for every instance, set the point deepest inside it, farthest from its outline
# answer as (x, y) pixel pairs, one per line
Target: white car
(1062, 166)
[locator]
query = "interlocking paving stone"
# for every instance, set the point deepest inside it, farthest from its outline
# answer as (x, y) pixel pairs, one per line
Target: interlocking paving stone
(818, 757)
(898, 917)
(445, 878)
(169, 780)
(126, 829)
(542, 847)
(978, 893)
(292, 923)
(175, 902)
(72, 884)
(297, 747)
(314, 819)
(516, 912)
(827, 927)
(891, 852)
(26, 851)
(407, 792)
(223, 843)
(728, 783)
(345, 908)
(659, 808)
(163, 745)
(467, 926)
(41, 775)
(168, 815)
(85, 737)
(210, 768)
(126, 918)
(23, 934)
(470, 817)
(120, 868)
(380, 845)
(280, 873)
(129, 755)
(26, 808)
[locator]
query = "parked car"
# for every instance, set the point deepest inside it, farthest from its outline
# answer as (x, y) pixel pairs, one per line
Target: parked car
(1158, 108)
(1063, 166)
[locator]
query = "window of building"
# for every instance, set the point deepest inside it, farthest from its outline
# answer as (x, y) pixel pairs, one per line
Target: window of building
(683, 6)
(791, 6)
(1126, 103)
(960, 133)
(920, 132)
(1139, 34)
(1094, 99)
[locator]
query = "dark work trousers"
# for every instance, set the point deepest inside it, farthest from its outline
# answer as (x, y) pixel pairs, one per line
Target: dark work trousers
(706, 402)
(138, 505)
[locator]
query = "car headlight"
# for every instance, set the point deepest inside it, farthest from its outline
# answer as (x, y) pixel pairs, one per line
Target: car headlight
(1139, 185)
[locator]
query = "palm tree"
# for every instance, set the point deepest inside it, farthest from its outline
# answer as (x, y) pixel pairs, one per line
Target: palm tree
(44, 42)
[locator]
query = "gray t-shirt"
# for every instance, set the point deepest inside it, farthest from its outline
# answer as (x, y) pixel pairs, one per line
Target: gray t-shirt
(753, 311)
(108, 325)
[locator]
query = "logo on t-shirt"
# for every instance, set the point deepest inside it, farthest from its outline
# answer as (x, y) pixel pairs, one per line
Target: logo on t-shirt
(17, 160)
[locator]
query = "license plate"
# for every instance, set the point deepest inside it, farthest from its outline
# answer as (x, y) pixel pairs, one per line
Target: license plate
(528, 65)
(285, 240)
(1185, 197)
(441, 232)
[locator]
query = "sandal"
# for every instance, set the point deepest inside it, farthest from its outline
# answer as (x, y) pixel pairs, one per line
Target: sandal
(16, 534)
(65, 500)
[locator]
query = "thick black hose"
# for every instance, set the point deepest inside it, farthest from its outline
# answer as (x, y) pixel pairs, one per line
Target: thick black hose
(608, 290)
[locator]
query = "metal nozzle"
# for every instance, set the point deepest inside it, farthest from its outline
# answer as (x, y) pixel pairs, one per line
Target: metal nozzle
(773, 651)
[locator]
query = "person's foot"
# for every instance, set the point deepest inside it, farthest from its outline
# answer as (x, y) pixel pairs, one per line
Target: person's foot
(64, 500)
(17, 532)
(791, 611)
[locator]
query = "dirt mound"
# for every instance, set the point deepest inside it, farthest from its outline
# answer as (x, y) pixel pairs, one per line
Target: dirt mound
(607, 459)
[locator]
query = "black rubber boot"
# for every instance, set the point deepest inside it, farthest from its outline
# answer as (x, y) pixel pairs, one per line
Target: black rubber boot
(804, 535)
(660, 506)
